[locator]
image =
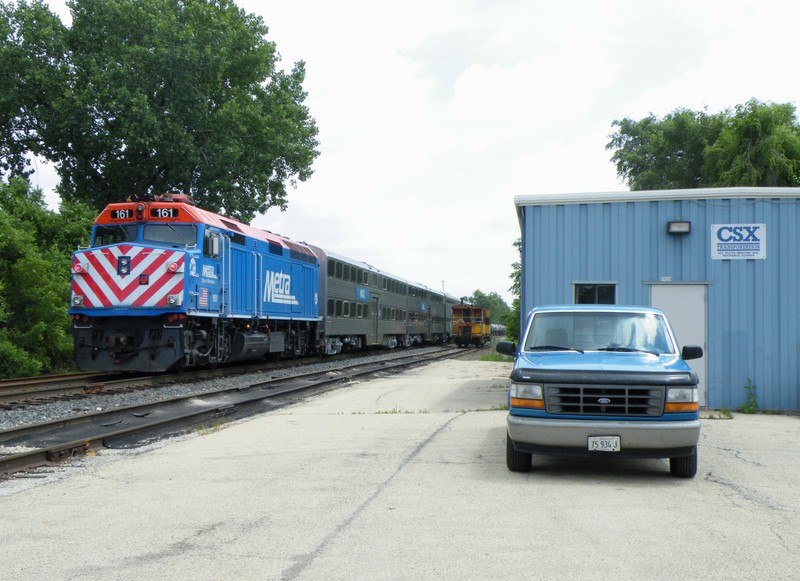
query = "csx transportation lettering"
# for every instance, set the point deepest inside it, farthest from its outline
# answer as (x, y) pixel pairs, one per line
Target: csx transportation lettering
(279, 289)
(738, 234)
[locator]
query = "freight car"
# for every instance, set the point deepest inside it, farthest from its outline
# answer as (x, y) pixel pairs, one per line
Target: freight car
(471, 325)
(167, 285)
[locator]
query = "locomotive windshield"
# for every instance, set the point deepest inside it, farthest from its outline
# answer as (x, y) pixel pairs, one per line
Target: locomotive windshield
(115, 234)
(173, 234)
(169, 234)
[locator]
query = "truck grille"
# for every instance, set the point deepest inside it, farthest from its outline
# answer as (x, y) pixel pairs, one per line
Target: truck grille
(604, 400)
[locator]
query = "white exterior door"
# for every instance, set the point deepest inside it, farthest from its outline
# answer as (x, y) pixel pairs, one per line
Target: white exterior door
(685, 306)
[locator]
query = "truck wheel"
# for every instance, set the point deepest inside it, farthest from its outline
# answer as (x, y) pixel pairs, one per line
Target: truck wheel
(684, 466)
(516, 461)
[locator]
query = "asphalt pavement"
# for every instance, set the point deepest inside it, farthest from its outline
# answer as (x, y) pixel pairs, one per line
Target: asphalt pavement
(404, 477)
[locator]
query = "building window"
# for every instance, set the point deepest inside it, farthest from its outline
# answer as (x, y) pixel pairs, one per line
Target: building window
(595, 294)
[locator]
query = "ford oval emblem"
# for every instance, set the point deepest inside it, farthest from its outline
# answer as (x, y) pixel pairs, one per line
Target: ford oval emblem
(604, 401)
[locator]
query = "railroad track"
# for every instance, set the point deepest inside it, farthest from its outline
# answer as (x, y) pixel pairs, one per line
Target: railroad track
(32, 391)
(41, 444)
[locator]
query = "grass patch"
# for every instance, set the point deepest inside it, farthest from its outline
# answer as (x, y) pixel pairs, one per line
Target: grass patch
(723, 414)
(204, 429)
(497, 357)
(397, 410)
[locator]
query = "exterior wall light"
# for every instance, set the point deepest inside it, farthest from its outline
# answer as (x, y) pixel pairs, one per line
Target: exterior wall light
(679, 227)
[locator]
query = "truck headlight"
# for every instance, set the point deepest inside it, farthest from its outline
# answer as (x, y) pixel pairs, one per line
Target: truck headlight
(526, 395)
(682, 399)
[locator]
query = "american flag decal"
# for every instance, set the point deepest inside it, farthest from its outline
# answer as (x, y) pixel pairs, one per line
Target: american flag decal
(154, 274)
(203, 300)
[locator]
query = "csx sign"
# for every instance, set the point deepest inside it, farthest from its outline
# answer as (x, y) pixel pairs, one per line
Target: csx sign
(738, 241)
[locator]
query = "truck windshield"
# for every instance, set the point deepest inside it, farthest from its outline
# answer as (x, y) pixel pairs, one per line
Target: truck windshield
(599, 331)
(172, 234)
(114, 234)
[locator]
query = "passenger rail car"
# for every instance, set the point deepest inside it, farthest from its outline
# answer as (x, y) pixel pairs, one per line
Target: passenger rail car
(471, 325)
(367, 307)
(167, 285)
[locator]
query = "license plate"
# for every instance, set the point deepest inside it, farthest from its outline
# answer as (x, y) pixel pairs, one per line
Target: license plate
(604, 444)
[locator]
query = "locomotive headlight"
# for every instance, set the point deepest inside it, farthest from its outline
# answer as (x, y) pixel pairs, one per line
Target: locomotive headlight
(173, 300)
(526, 395)
(682, 399)
(77, 301)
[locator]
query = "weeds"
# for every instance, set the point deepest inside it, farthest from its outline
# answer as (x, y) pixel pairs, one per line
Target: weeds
(215, 427)
(750, 405)
(723, 414)
(397, 410)
(497, 357)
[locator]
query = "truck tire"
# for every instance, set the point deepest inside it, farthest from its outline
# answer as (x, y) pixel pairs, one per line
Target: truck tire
(684, 466)
(516, 461)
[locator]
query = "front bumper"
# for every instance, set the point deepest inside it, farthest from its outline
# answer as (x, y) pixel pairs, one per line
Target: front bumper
(638, 439)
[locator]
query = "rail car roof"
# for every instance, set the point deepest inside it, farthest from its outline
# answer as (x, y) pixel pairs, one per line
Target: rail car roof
(188, 213)
(323, 254)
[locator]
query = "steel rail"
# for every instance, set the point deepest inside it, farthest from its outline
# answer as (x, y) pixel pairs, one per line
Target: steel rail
(50, 442)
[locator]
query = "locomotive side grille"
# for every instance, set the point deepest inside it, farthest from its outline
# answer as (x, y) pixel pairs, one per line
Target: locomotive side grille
(604, 400)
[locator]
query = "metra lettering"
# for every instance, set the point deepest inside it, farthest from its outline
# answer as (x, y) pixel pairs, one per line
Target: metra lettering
(278, 289)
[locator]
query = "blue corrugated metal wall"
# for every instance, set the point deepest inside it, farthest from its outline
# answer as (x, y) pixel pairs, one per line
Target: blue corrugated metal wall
(753, 315)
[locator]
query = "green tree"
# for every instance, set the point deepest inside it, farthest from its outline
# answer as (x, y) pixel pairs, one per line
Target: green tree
(492, 301)
(139, 96)
(35, 247)
(511, 319)
(758, 144)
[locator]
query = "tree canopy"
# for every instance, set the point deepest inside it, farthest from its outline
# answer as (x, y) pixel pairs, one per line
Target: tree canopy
(139, 96)
(755, 144)
(35, 248)
(492, 301)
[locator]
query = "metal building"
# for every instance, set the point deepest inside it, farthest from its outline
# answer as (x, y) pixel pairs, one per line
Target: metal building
(722, 263)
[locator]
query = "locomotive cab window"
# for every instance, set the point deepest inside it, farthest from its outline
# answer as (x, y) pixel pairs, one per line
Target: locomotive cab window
(105, 235)
(211, 244)
(171, 234)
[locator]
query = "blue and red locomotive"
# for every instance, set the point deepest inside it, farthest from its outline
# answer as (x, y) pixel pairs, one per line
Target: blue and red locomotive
(167, 285)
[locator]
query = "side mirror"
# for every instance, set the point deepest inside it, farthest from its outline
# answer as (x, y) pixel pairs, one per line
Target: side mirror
(507, 348)
(691, 352)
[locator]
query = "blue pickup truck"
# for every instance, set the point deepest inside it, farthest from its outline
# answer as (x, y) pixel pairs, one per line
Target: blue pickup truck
(602, 380)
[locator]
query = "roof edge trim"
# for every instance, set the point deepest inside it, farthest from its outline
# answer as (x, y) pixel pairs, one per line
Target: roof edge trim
(655, 195)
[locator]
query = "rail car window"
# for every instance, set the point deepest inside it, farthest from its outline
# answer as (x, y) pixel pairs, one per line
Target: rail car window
(366, 311)
(346, 271)
(339, 267)
(338, 308)
(172, 234)
(105, 235)
(346, 309)
(331, 307)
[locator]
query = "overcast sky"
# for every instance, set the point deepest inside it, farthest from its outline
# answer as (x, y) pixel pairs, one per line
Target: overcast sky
(434, 114)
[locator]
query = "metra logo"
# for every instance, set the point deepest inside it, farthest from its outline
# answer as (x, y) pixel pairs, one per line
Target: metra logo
(279, 289)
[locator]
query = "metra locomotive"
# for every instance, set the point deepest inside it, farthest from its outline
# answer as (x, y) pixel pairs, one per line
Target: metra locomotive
(167, 285)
